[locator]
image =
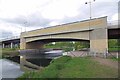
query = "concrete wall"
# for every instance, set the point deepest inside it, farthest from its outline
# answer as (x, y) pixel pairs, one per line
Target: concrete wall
(99, 37)
(99, 41)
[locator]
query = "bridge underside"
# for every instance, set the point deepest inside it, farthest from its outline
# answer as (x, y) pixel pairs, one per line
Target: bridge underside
(11, 43)
(59, 40)
(40, 43)
(114, 33)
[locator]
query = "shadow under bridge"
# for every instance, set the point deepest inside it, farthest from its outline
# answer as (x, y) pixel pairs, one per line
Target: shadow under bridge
(37, 44)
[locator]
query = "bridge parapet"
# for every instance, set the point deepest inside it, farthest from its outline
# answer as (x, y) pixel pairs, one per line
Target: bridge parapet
(85, 25)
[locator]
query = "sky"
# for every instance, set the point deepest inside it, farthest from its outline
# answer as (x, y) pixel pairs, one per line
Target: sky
(17, 16)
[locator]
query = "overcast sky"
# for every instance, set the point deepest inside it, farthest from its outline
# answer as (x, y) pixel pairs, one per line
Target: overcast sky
(15, 15)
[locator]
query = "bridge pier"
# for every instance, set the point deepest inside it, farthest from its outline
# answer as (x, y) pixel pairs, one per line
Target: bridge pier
(11, 45)
(31, 45)
(99, 40)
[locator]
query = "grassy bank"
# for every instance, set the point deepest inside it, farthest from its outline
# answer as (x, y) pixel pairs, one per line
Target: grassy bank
(8, 52)
(114, 49)
(67, 67)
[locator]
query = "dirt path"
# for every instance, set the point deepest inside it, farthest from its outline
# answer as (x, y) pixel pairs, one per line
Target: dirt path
(103, 61)
(108, 62)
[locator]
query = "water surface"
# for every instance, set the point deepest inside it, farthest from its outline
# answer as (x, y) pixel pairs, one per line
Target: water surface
(9, 69)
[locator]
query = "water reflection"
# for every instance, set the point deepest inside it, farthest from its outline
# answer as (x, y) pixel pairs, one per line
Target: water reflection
(41, 53)
(40, 57)
(9, 69)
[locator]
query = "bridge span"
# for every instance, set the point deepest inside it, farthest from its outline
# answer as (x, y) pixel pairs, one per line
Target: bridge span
(96, 31)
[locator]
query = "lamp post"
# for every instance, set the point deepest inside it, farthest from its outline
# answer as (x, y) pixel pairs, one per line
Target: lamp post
(90, 5)
(90, 8)
(25, 23)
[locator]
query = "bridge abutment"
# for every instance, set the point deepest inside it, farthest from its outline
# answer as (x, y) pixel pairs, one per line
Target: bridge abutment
(30, 45)
(99, 40)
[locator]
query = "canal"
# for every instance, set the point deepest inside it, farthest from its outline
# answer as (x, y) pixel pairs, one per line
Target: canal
(9, 69)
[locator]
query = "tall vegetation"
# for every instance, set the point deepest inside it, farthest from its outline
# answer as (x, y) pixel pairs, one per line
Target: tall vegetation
(68, 46)
(113, 45)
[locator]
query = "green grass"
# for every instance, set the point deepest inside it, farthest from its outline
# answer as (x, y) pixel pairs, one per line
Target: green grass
(68, 46)
(67, 67)
(114, 58)
(114, 49)
(9, 52)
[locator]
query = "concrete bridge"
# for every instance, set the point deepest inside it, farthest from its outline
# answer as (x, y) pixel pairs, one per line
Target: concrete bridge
(11, 42)
(96, 31)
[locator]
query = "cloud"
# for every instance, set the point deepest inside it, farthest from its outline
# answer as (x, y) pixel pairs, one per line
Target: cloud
(58, 9)
(54, 23)
(18, 15)
(5, 34)
(10, 27)
(14, 8)
(33, 20)
(115, 16)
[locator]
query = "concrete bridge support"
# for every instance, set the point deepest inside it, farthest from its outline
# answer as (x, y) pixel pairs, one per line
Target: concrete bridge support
(99, 41)
(31, 45)
(3, 45)
(11, 45)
